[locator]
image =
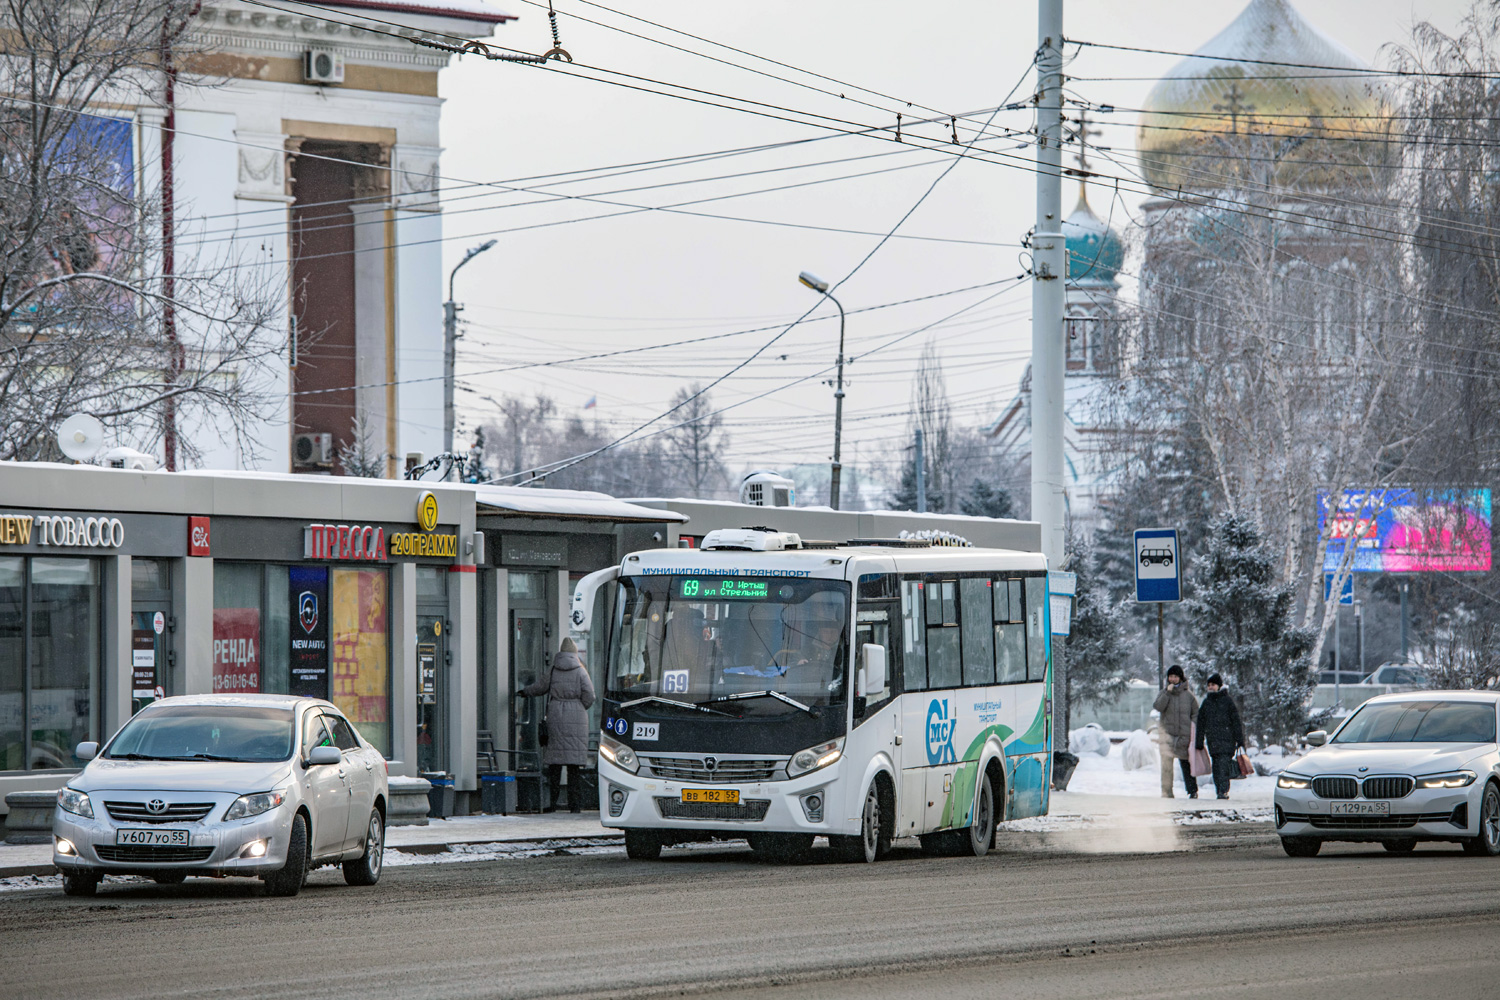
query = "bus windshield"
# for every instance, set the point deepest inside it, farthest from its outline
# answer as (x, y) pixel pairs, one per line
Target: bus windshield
(706, 639)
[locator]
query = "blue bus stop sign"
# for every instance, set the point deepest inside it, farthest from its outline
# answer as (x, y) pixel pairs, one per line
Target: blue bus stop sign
(1158, 566)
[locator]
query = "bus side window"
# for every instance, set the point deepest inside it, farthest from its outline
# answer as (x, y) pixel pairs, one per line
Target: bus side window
(1010, 632)
(944, 663)
(1036, 628)
(978, 638)
(913, 636)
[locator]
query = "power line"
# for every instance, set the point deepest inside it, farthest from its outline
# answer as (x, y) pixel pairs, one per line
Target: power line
(1367, 71)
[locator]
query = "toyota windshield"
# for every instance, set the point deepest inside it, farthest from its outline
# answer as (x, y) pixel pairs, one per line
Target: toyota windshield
(744, 646)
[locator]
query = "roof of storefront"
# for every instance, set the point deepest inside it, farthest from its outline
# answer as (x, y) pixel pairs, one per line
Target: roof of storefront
(467, 10)
(566, 505)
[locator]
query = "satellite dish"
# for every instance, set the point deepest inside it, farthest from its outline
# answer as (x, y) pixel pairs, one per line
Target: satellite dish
(80, 437)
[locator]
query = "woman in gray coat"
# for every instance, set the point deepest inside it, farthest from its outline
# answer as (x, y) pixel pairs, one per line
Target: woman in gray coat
(570, 693)
(1178, 708)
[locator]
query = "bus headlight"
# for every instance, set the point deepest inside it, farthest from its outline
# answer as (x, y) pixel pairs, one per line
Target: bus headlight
(813, 758)
(618, 754)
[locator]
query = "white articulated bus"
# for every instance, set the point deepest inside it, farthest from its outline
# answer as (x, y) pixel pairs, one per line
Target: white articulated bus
(764, 688)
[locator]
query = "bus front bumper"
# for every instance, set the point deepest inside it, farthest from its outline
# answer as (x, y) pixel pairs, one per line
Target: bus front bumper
(808, 803)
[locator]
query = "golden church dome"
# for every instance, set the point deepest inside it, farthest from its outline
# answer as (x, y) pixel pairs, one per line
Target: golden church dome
(1219, 120)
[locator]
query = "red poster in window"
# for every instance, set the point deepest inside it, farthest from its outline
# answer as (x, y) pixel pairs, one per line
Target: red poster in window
(236, 650)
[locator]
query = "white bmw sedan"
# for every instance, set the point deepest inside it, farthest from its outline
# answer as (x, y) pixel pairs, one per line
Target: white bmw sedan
(264, 786)
(1404, 768)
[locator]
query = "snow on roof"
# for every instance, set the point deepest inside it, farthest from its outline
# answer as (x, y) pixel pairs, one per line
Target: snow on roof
(467, 10)
(567, 504)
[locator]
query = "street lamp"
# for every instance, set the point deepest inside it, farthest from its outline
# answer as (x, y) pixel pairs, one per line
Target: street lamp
(822, 287)
(450, 348)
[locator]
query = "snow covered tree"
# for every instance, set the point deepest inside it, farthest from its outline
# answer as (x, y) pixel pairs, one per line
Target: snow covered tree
(1098, 645)
(1241, 627)
(984, 500)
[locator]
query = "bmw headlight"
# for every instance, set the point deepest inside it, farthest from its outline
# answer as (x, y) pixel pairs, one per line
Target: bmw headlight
(1450, 779)
(618, 754)
(254, 804)
(1285, 780)
(76, 802)
(813, 758)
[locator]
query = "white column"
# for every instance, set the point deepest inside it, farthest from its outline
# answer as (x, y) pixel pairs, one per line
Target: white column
(404, 669)
(114, 692)
(193, 607)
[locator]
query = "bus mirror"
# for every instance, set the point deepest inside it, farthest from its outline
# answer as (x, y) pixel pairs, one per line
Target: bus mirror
(872, 670)
(582, 615)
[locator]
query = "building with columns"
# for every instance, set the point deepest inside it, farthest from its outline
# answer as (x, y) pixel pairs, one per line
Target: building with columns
(307, 147)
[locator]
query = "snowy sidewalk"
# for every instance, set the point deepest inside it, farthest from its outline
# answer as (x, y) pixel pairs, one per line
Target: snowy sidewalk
(539, 833)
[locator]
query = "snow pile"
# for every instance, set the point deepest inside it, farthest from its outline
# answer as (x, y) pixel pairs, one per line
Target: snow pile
(1090, 739)
(1138, 751)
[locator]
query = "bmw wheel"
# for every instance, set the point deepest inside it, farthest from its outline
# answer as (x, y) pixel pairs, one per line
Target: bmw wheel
(1301, 847)
(1487, 844)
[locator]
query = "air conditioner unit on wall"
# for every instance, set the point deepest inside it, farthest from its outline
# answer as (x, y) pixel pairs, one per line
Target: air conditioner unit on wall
(312, 449)
(322, 66)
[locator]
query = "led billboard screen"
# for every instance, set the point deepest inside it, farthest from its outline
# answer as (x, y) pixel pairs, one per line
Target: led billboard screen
(1403, 530)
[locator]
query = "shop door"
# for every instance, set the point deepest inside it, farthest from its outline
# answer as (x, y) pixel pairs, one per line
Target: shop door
(528, 662)
(150, 653)
(432, 694)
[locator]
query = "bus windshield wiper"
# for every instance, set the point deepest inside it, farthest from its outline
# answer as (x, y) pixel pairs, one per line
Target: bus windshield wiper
(679, 704)
(768, 694)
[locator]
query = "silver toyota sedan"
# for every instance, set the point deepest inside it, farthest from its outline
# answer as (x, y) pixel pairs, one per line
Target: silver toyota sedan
(265, 786)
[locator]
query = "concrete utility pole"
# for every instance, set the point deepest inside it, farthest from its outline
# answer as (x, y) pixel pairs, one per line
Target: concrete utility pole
(450, 349)
(1049, 268)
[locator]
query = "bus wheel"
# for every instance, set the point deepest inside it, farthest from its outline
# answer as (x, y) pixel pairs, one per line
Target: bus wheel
(783, 848)
(973, 840)
(642, 845)
(871, 842)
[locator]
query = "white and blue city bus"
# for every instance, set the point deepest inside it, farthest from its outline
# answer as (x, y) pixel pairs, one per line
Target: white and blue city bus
(764, 688)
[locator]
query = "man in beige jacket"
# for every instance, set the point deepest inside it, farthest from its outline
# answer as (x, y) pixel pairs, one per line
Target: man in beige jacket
(1178, 708)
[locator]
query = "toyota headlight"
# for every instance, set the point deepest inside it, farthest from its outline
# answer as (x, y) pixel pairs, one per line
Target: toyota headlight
(254, 804)
(1450, 779)
(76, 802)
(619, 754)
(1285, 780)
(813, 758)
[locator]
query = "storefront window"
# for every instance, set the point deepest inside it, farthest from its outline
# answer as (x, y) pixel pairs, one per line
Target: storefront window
(59, 632)
(275, 655)
(237, 639)
(149, 576)
(361, 652)
(432, 584)
(527, 586)
(12, 658)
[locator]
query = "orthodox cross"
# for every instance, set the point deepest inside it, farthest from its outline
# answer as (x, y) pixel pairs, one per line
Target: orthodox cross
(1234, 107)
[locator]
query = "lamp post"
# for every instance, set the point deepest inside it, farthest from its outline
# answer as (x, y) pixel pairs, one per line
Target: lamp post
(450, 348)
(819, 285)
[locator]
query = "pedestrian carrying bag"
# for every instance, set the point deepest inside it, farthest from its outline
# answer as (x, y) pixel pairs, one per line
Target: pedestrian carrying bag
(1242, 759)
(541, 727)
(1198, 760)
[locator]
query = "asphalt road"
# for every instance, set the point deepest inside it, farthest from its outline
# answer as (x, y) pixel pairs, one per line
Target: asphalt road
(1232, 917)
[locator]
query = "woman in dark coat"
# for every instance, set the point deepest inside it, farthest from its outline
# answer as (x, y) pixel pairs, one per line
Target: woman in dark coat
(1219, 726)
(569, 692)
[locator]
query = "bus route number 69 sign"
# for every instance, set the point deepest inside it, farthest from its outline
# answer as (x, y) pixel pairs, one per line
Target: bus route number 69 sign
(1158, 568)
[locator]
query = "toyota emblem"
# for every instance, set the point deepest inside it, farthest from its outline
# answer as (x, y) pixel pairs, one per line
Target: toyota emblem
(156, 807)
(710, 763)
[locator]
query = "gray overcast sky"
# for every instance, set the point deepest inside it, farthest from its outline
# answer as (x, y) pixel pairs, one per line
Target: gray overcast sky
(652, 277)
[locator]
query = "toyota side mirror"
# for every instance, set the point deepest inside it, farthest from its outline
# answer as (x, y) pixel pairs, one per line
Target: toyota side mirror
(872, 679)
(87, 750)
(1316, 738)
(324, 755)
